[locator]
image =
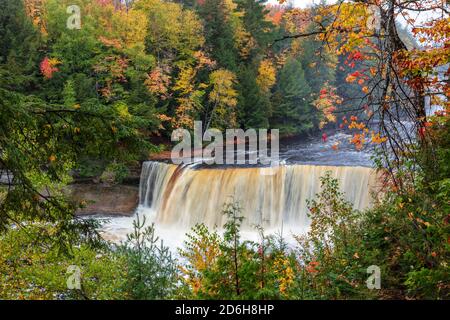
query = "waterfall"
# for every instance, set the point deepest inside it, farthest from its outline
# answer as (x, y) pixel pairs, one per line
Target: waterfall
(180, 196)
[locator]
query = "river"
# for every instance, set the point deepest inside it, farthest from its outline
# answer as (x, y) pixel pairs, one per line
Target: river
(175, 198)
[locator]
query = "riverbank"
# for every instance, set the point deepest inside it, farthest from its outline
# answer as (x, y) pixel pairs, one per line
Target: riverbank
(121, 200)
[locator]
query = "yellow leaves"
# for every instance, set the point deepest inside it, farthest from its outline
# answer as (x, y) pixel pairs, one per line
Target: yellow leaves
(350, 78)
(244, 41)
(171, 27)
(330, 117)
(357, 125)
(185, 81)
(52, 158)
(377, 139)
(318, 18)
(54, 62)
(266, 75)
(122, 110)
(223, 97)
(76, 130)
(129, 26)
(200, 255)
(284, 272)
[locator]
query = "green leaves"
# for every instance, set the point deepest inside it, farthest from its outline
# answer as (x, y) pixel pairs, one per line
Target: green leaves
(151, 270)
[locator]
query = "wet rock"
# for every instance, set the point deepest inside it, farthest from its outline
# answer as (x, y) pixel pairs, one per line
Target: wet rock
(106, 199)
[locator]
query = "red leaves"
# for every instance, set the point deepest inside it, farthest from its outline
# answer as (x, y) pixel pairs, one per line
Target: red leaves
(421, 132)
(104, 2)
(312, 267)
(356, 55)
(353, 57)
(47, 67)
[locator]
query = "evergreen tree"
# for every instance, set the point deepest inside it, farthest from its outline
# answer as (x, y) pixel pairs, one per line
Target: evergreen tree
(319, 65)
(292, 113)
(253, 104)
(19, 42)
(255, 22)
(219, 34)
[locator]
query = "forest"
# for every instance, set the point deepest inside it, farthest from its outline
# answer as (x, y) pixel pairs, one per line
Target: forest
(93, 92)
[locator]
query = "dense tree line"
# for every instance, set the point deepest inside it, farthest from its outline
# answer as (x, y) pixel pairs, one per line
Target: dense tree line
(94, 99)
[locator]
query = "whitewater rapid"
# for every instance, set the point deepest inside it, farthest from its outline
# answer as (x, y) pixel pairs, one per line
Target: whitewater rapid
(176, 198)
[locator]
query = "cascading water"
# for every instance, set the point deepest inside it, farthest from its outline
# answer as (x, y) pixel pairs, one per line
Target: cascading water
(179, 197)
(175, 198)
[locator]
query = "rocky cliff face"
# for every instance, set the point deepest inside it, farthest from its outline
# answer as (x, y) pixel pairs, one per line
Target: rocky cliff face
(106, 200)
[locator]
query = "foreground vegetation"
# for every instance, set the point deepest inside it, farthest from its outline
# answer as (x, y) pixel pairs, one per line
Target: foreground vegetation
(406, 236)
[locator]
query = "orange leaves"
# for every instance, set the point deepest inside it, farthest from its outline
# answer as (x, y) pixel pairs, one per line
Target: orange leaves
(350, 78)
(47, 67)
(36, 11)
(115, 43)
(419, 65)
(327, 103)
(357, 75)
(354, 124)
(335, 146)
(358, 140)
(313, 267)
(377, 139)
(277, 17)
(203, 60)
(115, 65)
(158, 82)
